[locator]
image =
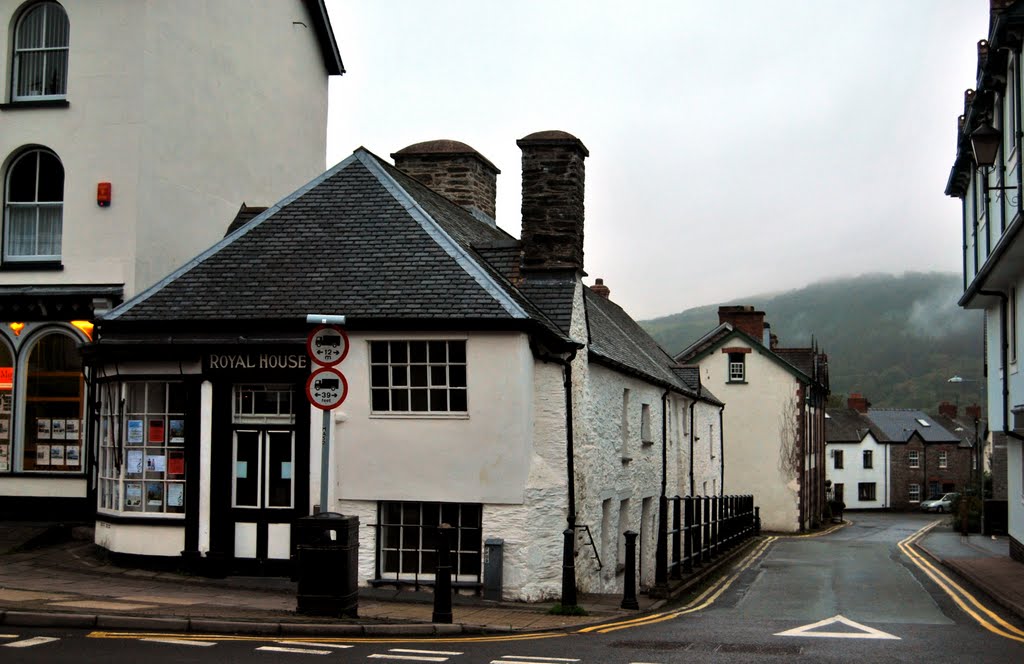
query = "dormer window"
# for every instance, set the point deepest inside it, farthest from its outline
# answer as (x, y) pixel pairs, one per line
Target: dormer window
(40, 68)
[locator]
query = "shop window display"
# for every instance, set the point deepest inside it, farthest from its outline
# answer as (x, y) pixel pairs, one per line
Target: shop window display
(54, 390)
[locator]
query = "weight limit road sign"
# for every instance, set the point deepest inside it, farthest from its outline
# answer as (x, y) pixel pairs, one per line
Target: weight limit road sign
(326, 388)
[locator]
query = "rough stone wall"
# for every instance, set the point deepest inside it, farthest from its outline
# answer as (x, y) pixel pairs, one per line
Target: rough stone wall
(552, 207)
(463, 179)
(901, 475)
(707, 451)
(366, 510)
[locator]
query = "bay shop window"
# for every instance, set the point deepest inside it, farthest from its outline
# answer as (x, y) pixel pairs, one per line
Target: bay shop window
(42, 398)
(142, 447)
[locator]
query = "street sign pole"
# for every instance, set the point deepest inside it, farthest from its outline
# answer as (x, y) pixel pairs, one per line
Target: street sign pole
(325, 460)
(327, 345)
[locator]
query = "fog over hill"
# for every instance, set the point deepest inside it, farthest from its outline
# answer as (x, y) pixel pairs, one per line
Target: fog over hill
(895, 338)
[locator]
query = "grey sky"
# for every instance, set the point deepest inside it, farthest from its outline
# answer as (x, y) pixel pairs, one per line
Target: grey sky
(736, 148)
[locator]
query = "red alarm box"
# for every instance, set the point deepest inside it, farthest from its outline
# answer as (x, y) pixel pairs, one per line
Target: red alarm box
(103, 194)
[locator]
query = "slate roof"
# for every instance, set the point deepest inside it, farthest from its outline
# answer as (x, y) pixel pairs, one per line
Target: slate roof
(899, 425)
(244, 215)
(362, 239)
(690, 375)
(962, 430)
(847, 425)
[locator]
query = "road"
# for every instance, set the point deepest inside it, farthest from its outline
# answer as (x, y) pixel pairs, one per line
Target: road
(853, 596)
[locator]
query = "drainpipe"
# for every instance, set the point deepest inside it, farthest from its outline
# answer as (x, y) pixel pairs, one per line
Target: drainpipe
(692, 404)
(721, 451)
(569, 535)
(664, 444)
(661, 550)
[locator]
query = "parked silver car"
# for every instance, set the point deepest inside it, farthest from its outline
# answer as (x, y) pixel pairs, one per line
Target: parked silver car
(940, 504)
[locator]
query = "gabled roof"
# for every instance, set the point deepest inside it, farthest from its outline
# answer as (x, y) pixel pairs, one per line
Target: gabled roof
(847, 425)
(325, 36)
(362, 239)
(720, 335)
(690, 375)
(963, 430)
(900, 424)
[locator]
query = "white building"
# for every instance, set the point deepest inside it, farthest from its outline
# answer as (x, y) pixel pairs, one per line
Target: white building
(488, 387)
(857, 461)
(987, 177)
(130, 133)
(775, 422)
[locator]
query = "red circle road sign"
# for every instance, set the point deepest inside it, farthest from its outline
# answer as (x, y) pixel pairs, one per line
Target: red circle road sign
(326, 388)
(327, 345)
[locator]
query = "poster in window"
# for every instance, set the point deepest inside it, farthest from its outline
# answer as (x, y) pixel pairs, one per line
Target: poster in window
(134, 461)
(5, 428)
(42, 455)
(175, 495)
(176, 463)
(72, 428)
(74, 454)
(57, 429)
(5, 402)
(177, 432)
(156, 463)
(156, 431)
(132, 494)
(56, 455)
(5, 457)
(154, 494)
(43, 428)
(134, 432)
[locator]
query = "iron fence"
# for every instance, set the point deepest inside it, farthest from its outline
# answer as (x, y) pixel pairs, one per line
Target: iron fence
(697, 529)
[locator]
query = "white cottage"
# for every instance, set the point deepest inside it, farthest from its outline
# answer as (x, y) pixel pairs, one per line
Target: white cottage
(129, 132)
(489, 388)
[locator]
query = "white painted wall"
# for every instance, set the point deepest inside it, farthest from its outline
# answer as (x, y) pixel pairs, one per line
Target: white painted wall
(141, 539)
(854, 472)
(754, 419)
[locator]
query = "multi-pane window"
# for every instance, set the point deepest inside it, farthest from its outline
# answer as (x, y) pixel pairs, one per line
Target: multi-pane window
(943, 459)
(54, 393)
(33, 207)
(408, 540)
(737, 367)
(837, 459)
(142, 447)
(418, 376)
(40, 68)
(915, 493)
(869, 459)
(914, 459)
(866, 491)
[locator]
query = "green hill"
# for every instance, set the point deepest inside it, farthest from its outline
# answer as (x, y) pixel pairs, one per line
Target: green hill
(896, 339)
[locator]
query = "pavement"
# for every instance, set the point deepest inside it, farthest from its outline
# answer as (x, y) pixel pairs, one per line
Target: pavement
(56, 577)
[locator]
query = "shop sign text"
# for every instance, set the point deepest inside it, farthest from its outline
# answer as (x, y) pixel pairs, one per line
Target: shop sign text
(261, 361)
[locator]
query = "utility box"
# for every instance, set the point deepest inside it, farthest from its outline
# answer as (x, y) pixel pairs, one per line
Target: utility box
(326, 564)
(494, 552)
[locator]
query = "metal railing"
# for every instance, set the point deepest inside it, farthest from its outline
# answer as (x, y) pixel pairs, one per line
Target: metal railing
(697, 529)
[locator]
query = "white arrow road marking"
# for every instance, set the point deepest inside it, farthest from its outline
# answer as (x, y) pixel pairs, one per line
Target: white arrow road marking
(300, 651)
(34, 641)
(864, 633)
(8, 636)
(182, 642)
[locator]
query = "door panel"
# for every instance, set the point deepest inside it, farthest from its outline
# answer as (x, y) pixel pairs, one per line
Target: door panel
(246, 469)
(245, 540)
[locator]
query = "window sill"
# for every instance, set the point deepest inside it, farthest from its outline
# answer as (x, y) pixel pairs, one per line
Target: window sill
(647, 443)
(26, 104)
(418, 416)
(735, 382)
(132, 518)
(31, 266)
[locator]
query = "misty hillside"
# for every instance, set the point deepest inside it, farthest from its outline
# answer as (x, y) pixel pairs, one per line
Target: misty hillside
(896, 339)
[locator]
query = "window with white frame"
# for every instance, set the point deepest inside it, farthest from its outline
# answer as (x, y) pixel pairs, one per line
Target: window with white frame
(408, 539)
(869, 459)
(914, 459)
(33, 207)
(418, 376)
(40, 63)
(915, 493)
(737, 367)
(866, 491)
(142, 447)
(943, 459)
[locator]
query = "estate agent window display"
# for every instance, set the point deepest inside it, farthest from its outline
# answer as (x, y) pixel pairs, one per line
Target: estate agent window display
(42, 399)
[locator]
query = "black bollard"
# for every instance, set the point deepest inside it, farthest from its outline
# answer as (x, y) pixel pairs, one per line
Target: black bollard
(443, 577)
(568, 568)
(629, 584)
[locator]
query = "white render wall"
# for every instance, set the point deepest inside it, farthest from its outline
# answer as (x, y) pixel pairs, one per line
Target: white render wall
(853, 472)
(187, 108)
(755, 418)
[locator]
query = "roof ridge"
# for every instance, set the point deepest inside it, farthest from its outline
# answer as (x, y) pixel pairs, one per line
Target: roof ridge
(227, 240)
(443, 239)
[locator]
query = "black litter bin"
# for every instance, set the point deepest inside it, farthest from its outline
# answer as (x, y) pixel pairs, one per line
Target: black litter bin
(326, 564)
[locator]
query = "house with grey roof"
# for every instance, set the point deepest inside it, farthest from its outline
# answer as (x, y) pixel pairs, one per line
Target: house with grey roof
(775, 422)
(487, 386)
(857, 457)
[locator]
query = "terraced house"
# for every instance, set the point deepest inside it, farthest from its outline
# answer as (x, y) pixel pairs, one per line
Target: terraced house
(123, 149)
(489, 387)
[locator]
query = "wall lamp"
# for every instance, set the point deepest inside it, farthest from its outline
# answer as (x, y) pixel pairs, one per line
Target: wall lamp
(985, 145)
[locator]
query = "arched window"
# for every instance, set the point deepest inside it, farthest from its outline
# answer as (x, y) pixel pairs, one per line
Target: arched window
(54, 390)
(40, 68)
(33, 207)
(6, 406)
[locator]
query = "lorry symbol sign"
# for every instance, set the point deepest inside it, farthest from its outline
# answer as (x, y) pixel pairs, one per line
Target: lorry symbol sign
(326, 388)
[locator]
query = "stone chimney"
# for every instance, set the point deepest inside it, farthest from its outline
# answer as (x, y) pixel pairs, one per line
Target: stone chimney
(600, 289)
(454, 170)
(857, 402)
(744, 318)
(553, 176)
(973, 411)
(947, 409)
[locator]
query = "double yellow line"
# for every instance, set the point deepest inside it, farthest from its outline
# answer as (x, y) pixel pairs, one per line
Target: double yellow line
(702, 601)
(984, 616)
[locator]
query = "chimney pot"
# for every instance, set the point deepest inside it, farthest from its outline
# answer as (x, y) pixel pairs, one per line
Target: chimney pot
(947, 409)
(454, 170)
